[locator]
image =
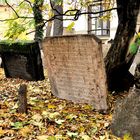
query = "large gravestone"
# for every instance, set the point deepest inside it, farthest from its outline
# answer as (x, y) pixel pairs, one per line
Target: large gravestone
(76, 69)
(22, 60)
(126, 118)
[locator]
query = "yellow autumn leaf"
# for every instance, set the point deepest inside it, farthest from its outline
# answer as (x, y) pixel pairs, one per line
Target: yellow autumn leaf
(88, 107)
(72, 134)
(54, 115)
(81, 129)
(42, 137)
(51, 106)
(59, 121)
(37, 117)
(86, 137)
(25, 131)
(71, 116)
(127, 136)
(49, 115)
(2, 132)
(39, 124)
(51, 130)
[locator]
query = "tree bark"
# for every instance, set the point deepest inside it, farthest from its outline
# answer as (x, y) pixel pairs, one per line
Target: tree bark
(48, 29)
(38, 19)
(58, 22)
(116, 66)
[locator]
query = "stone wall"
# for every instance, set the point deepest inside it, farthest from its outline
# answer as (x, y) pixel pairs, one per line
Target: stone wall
(76, 69)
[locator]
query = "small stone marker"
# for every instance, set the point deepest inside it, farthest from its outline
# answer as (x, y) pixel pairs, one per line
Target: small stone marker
(76, 69)
(22, 99)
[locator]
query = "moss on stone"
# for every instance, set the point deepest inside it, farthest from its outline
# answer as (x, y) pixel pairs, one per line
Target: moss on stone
(17, 47)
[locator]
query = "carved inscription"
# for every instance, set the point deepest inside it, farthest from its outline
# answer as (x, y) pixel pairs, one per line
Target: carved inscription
(17, 66)
(76, 69)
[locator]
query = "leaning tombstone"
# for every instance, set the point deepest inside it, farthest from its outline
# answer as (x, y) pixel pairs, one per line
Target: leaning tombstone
(76, 69)
(22, 60)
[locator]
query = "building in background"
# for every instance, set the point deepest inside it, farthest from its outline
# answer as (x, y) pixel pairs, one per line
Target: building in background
(5, 13)
(105, 29)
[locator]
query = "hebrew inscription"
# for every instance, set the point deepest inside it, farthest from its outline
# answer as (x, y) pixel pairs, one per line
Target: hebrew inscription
(76, 69)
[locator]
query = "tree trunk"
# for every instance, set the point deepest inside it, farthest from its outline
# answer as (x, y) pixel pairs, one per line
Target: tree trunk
(48, 28)
(58, 21)
(38, 19)
(116, 66)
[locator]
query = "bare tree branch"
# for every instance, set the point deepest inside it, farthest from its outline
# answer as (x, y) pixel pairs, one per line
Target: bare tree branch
(20, 17)
(21, 3)
(52, 4)
(73, 13)
(29, 3)
(17, 15)
(77, 14)
(66, 14)
(103, 11)
(12, 8)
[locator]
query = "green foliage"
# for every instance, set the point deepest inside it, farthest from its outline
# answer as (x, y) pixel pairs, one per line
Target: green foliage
(70, 26)
(2, 2)
(138, 41)
(17, 125)
(17, 47)
(127, 136)
(15, 29)
(19, 28)
(133, 48)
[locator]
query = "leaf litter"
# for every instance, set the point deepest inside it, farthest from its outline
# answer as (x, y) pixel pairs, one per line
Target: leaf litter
(49, 118)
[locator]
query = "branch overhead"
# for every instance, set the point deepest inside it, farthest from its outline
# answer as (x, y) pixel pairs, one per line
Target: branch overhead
(70, 14)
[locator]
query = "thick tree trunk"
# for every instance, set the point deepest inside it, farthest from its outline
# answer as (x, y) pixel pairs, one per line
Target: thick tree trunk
(58, 21)
(116, 66)
(38, 19)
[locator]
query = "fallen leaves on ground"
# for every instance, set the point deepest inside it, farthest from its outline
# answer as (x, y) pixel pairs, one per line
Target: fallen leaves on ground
(48, 118)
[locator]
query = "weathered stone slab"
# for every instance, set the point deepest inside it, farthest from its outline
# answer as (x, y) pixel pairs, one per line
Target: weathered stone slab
(126, 118)
(76, 69)
(22, 60)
